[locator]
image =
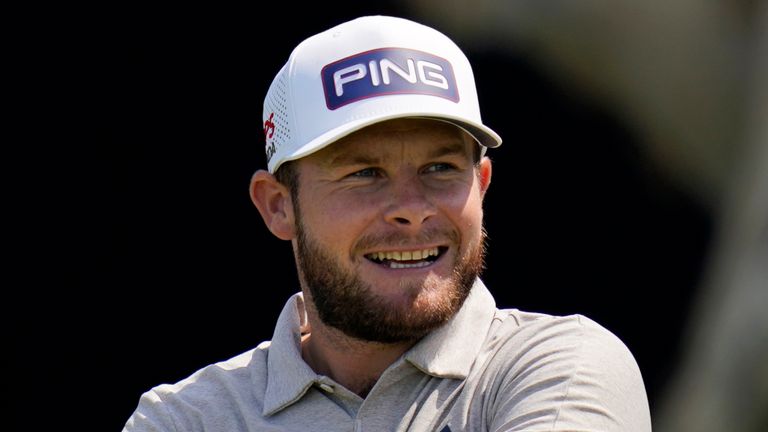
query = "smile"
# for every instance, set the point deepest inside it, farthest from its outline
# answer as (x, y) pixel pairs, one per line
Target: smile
(406, 259)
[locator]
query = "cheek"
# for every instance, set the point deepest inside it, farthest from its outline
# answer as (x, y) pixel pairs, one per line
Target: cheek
(333, 220)
(470, 215)
(473, 218)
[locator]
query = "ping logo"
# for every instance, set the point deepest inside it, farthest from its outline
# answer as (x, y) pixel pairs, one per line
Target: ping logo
(387, 71)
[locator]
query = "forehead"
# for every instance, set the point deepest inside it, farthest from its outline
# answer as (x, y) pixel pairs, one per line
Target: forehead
(427, 135)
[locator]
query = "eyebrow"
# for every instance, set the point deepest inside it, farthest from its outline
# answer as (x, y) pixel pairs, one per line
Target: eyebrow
(448, 149)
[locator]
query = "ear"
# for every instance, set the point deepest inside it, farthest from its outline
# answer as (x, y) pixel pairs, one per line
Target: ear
(484, 175)
(273, 200)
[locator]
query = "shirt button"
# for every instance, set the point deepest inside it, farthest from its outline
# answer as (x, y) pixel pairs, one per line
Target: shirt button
(327, 388)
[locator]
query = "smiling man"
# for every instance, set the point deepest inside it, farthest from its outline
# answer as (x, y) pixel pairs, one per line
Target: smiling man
(397, 238)
(376, 175)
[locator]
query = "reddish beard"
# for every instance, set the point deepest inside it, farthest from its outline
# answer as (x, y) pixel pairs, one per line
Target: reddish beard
(345, 302)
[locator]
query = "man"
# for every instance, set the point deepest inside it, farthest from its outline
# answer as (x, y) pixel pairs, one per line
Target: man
(376, 175)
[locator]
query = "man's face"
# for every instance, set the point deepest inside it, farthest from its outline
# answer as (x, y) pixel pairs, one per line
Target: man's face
(389, 228)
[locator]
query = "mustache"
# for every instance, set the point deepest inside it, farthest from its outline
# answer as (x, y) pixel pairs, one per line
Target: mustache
(398, 239)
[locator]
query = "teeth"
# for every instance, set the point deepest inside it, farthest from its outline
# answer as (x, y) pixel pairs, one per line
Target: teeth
(397, 265)
(404, 255)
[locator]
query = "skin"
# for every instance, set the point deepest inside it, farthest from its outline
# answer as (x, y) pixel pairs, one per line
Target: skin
(401, 186)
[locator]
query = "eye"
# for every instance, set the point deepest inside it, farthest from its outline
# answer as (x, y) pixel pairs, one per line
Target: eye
(366, 172)
(439, 167)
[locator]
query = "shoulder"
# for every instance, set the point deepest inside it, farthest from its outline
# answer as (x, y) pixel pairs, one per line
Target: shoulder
(570, 369)
(538, 331)
(233, 377)
(212, 391)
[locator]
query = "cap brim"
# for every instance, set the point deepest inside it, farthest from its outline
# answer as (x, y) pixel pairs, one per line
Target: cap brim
(484, 135)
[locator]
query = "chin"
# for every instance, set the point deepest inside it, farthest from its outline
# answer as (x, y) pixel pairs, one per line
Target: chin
(430, 297)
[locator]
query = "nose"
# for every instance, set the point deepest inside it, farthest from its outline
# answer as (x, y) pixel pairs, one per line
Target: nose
(410, 205)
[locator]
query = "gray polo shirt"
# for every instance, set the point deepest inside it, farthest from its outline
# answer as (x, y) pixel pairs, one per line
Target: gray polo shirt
(485, 370)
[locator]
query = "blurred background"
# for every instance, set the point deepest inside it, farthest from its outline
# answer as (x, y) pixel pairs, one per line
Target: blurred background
(632, 187)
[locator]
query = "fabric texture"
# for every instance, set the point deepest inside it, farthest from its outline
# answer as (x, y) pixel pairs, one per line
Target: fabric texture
(487, 369)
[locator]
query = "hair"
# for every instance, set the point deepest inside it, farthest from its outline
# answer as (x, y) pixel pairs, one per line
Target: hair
(288, 175)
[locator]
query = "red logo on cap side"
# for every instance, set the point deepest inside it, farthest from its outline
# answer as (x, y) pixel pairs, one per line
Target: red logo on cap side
(269, 131)
(269, 127)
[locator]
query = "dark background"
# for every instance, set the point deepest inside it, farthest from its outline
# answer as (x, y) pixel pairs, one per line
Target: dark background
(156, 262)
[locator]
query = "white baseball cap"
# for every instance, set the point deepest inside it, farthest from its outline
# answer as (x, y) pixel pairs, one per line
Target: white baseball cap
(365, 71)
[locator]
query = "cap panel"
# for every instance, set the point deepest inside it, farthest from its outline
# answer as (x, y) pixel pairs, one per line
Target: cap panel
(277, 118)
(367, 70)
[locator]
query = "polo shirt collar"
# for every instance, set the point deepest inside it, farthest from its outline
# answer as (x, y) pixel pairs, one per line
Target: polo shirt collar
(288, 376)
(447, 352)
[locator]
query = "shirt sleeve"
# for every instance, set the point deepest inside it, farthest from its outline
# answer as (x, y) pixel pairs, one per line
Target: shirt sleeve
(569, 375)
(151, 415)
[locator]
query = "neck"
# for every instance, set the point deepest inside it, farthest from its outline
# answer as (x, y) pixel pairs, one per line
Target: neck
(353, 363)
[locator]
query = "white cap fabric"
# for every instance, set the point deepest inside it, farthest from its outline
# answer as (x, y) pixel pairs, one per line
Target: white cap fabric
(364, 71)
